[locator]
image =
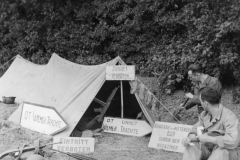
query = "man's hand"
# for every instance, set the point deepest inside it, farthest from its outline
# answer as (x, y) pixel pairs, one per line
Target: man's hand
(205, 138)
(181, 105)
(187, 141)
(189, 95)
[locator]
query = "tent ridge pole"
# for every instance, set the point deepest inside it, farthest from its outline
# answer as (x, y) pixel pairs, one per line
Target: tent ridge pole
(121, 99)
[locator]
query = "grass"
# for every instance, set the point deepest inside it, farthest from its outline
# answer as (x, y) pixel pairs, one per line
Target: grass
(109, 146)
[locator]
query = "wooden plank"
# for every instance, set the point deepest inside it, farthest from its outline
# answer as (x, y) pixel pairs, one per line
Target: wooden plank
(168, 136)
(74, 144)
(43, 119)
(120, 72)
(129, 127)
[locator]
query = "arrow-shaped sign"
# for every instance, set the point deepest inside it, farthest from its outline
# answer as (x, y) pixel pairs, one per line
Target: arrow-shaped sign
(42, 119)
(129, 127)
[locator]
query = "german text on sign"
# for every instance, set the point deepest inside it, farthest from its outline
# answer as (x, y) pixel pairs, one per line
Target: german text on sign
(120, 72)
(74, 144)
(126, 126)
(42, 119)
(168, 136)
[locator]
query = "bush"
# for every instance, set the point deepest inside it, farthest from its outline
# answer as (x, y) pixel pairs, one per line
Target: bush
(156, 36)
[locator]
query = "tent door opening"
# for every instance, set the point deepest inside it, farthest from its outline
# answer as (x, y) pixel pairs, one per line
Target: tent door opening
(107, 103)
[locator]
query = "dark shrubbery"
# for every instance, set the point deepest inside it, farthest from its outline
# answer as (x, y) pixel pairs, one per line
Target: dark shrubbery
(157, 36)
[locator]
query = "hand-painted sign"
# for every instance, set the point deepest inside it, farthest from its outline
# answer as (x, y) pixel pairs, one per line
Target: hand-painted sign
(168, 136)
(74, 144)
(120, 72)
(42, 119)
(126, 126)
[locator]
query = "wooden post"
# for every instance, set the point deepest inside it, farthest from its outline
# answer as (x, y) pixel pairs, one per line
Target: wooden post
(121, 99)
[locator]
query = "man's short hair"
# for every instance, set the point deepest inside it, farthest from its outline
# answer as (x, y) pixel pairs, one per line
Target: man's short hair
(210, 95)
(195, 68)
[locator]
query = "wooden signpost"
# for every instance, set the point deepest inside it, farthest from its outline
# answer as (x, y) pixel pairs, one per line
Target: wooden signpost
(168, 136)
(120, 72)
(42, 119)
(74, 144)
(129, 127)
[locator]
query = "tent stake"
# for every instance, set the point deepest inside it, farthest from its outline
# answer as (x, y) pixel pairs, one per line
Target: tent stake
(121, 99)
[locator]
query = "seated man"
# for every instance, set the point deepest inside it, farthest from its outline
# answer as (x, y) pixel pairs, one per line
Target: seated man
(214, 118)
(202, 80)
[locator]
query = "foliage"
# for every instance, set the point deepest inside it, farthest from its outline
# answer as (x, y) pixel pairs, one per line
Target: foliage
(236, 95)
(160, 36)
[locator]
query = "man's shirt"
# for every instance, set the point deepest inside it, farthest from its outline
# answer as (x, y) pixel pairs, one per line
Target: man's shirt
(225, 123)
(211, 82)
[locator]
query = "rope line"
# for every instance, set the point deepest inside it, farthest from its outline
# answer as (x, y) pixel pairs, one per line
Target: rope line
(161, 103)
(7, 62)
(120, 60)
(170, 112)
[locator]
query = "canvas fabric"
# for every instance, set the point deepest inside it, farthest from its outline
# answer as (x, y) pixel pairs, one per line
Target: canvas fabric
(64, 85)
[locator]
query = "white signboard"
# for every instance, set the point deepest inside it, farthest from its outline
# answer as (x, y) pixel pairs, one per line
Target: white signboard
(129, 127)
(74, 144)
(120, 72)
(42, 119)
(168, 136)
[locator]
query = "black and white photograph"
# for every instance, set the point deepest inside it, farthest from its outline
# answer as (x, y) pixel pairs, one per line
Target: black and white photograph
(119, 79)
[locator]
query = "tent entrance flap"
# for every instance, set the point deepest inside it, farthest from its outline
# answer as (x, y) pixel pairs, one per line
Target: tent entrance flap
(131, 105)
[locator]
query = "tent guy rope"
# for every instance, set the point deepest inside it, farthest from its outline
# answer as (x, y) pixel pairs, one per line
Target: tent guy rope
(123, 63)
(7, 62)
(163, 105)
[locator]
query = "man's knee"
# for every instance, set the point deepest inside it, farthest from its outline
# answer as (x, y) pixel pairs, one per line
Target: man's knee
(191, 152)
(220, 154)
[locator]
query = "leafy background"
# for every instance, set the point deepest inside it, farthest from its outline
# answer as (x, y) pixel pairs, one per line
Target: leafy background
(160, 37)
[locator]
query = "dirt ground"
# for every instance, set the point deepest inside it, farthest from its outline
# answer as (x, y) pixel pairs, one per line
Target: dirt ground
(109, 146)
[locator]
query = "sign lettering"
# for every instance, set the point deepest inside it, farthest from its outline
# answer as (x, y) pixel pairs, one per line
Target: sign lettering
(42, 119)
(126, 126)
(74, 144)
(120, 72)
(168, 136)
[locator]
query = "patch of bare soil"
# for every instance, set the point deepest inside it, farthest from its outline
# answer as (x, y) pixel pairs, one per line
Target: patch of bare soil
(109, 146)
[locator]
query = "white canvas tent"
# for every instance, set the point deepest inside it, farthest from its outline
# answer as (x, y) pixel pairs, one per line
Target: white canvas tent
(68, 87)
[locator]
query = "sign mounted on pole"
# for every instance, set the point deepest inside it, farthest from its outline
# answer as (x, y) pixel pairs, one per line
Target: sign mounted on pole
(129, 127)
(168, 136)
(120, 72)
(74, 144)
(42, 119)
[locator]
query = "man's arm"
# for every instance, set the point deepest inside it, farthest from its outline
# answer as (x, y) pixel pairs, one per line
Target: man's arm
(230, 139)
(191, 102)
(214, 84)
(217, 86)
(198, 124)
(192, 136)
(192, 99)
